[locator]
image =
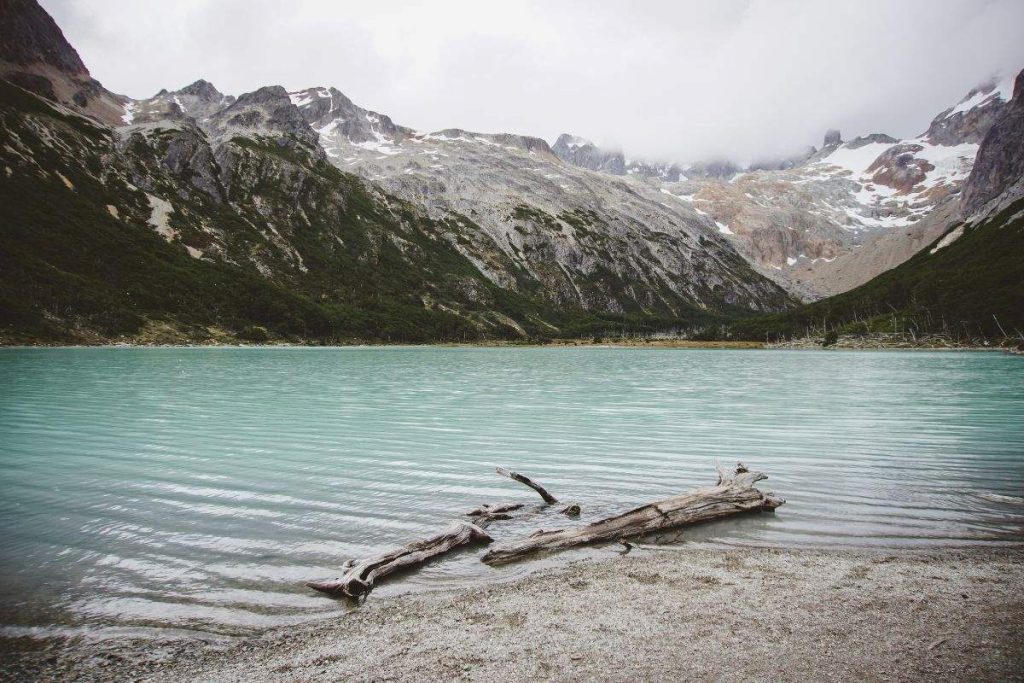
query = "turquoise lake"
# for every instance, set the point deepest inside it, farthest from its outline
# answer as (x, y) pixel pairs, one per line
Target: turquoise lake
(198, 488)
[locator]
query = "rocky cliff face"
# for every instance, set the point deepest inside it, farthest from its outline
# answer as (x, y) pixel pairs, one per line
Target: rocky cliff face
(583, 153)
(30, 37)
(579, 237)
(971, 118)
(998, 173)
(35, 55)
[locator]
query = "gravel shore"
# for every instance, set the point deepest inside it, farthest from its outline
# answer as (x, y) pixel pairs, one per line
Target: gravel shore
(663, 614)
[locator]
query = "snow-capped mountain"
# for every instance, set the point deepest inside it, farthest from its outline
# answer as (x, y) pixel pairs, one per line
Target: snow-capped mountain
(823, 221)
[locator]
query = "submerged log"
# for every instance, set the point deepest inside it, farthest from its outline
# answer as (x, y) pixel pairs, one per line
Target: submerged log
(548, 498)
(492, 512)
(493, 509)
(361, 575)
(734, 493)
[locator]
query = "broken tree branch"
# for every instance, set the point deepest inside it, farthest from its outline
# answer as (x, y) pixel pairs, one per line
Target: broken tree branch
(734, 493)
(493, 509)
(361, 575)
(492, 512)
(548, 498)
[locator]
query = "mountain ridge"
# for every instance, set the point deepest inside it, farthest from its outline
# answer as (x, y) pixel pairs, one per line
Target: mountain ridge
(250, 213)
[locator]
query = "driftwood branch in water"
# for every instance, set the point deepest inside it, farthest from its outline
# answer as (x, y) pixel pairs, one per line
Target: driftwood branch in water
(360, 575)
(493, 509)
(734, 493)
(548, 498)
(492, 512)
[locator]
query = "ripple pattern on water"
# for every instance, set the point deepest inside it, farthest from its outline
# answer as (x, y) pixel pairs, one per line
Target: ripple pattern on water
(198, 488)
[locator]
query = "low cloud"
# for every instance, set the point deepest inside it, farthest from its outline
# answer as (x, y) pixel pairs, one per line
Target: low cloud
(662, 80)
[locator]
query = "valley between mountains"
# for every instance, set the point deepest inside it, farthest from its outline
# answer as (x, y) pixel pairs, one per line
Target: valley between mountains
(275, 216)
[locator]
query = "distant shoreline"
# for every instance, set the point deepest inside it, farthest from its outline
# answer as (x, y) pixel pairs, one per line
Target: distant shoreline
(558, 343)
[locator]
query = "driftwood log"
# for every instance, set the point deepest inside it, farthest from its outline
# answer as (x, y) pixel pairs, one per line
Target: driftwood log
(360, 575)
(493, 509)
(492, 512)
(734, 493)
(548, 498)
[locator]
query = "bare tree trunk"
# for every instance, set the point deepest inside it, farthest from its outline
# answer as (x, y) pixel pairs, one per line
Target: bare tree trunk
(360, 575)
(548, 498)
(734, 493)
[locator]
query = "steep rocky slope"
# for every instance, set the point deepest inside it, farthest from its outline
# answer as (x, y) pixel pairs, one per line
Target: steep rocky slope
(195, 215)
(825, 221)
(587, 239)
(966, 285)
(34, 55)
(996, 178)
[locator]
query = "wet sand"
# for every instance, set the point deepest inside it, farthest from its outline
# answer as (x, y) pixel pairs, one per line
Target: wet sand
(672, 613)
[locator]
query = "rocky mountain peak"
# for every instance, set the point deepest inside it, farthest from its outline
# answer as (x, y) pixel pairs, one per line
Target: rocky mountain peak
(267, 111)
(833, 138)
(999, 166)
(970, 119)
(585, 154)
(332, 113)
(202, 89)
(570, 142)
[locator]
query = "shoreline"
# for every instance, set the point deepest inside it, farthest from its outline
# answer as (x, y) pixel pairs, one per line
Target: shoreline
(559, 343)
(664, 613)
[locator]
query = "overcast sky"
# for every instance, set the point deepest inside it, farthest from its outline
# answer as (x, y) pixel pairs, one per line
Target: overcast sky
(666, 80)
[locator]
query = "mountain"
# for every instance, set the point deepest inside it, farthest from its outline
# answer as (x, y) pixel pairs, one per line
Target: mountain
(583, 238)
(968, 283)
(585, 154)
(193, 215)
(829, 219)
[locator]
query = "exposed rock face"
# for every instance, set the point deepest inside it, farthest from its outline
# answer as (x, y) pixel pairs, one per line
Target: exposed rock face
(970, 119)
(898, 168)
(873, 138)
(267, 111)
(833, 138)
(34, 55)
(999, 167)
(583, 153)
(580, 238)
(328, 108)
(197, 102)
(29, 36)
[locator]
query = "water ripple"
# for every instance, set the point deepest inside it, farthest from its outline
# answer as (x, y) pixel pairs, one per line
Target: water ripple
(199, 488)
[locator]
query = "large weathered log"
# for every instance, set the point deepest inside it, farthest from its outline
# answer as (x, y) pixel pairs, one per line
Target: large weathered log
(734, 493)
(361, 575)
(548, 498)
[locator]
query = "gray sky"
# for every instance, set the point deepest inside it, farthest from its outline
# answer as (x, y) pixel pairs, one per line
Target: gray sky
(663, 80)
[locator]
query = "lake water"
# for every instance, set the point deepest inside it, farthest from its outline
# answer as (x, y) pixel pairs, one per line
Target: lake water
(199, 488)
